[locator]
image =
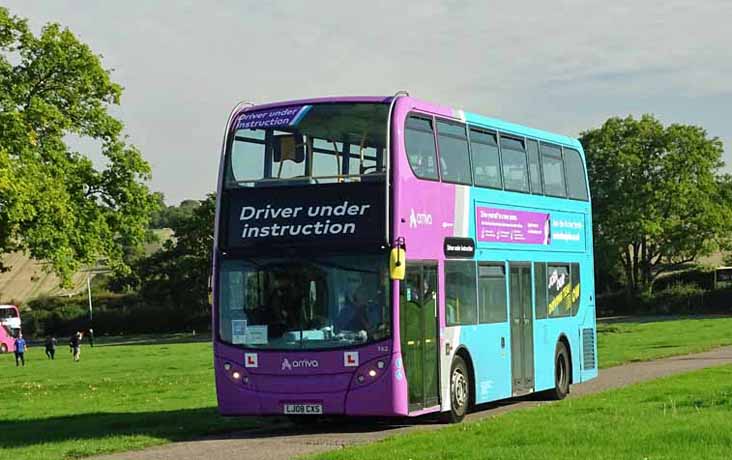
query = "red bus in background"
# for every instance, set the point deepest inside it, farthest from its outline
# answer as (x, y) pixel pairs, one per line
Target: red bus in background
(7, 341)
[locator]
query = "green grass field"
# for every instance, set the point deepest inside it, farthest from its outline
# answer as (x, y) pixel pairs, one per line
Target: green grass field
(116, 398)
(626, 342)
(681, 417)
(122, 397)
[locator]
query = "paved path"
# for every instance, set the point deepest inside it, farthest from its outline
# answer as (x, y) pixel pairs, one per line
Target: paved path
(287, 441)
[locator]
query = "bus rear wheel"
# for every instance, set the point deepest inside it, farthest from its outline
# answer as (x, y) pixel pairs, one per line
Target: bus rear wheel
(3, 348)
(459, 391)
(561, 373)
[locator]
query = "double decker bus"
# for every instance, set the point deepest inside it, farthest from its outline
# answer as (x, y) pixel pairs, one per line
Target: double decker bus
(386, 256)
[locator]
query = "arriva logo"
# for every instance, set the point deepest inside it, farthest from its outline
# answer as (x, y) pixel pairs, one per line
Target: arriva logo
(419, 218)
(287, 365)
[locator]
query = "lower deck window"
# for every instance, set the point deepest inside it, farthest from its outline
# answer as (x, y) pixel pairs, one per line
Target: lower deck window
(460, 304)
(492, 293)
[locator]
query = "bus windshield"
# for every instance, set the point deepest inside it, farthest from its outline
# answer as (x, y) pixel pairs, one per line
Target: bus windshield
(305, 144)
(298, 303)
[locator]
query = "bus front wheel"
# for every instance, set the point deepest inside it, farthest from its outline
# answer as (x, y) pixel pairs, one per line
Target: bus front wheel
(459, 391)
(3, 348)
(561, 372)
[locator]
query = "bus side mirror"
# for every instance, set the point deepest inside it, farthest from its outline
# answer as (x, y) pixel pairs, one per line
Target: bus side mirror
(397, 263)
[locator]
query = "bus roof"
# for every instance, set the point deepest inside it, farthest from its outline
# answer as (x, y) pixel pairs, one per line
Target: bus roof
(469, 117)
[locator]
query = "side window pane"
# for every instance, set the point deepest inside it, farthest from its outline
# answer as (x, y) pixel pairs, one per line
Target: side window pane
(576, 185)
(492, 293)
(534, 169)
(576, 289)
(420, 143)
(540, 283)
(460, 304)
(486, 166)
(551, 162)
(515, 173)
(454, 155)
(559, 289)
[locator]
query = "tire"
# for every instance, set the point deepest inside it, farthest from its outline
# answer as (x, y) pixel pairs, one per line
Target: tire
(460, 385)
(562, 372)
(3, 348)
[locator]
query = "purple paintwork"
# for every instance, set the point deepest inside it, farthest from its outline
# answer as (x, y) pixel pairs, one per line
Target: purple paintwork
(424, 214)
(266, 388)
(511, 226)
(434, 198)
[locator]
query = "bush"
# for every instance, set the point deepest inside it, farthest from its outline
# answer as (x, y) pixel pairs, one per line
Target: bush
(113, 315)
(680, 298)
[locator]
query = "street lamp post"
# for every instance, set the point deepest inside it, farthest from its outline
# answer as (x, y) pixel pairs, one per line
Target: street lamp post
(88, 289)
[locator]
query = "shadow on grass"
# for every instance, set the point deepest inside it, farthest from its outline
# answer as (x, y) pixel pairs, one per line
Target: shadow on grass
(179, 425)
(176, 425)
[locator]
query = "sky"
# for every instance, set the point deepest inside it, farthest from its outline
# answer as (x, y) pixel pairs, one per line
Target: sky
(562, 66)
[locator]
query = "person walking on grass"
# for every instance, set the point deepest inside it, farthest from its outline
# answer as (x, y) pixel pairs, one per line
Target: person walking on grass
(20, 350)
(90, 336)
(51, 347)
(75, 345)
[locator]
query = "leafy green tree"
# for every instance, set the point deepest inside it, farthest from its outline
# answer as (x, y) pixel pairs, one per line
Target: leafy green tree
(657, 196)
(178, 274)
(166, 216)
(54, 203)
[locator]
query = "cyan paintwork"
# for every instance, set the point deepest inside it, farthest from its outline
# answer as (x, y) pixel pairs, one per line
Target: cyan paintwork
(493, 365)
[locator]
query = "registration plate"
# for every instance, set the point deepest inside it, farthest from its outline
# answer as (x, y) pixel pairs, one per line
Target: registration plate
(303, 409)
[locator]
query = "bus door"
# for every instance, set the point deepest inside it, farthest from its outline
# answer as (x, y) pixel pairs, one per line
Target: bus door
(418, 299)
(522, 334)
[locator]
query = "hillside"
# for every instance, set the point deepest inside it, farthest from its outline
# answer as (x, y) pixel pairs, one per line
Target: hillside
(27, 279)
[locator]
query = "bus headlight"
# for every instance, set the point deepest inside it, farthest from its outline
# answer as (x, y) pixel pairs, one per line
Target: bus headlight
(235, 373)
(370, 372)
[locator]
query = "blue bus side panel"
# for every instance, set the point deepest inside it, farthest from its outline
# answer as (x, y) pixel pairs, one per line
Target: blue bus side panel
(571, 242)
(492, 363)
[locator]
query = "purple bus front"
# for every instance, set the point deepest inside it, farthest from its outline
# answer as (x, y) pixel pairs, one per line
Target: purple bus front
(303, 299)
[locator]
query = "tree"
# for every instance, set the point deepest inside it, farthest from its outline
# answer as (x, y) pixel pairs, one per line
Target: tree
(178, 274)
(657, 195)
(166, 216)
(54, 203)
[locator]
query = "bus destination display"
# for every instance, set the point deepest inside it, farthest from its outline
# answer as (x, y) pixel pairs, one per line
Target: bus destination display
(337, 213)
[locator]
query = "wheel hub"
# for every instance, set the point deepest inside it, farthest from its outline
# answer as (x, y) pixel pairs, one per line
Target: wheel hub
(459, 389)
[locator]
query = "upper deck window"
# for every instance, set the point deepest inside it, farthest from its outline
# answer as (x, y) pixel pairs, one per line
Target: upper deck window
(515, 172)
(576, 184)
(534, 166)
(420, 142)
(329, 142)
(486, 165)
(454, 156)
(551, 165)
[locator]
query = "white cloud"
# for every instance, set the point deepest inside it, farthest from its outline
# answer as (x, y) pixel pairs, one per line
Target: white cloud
(561, 66)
